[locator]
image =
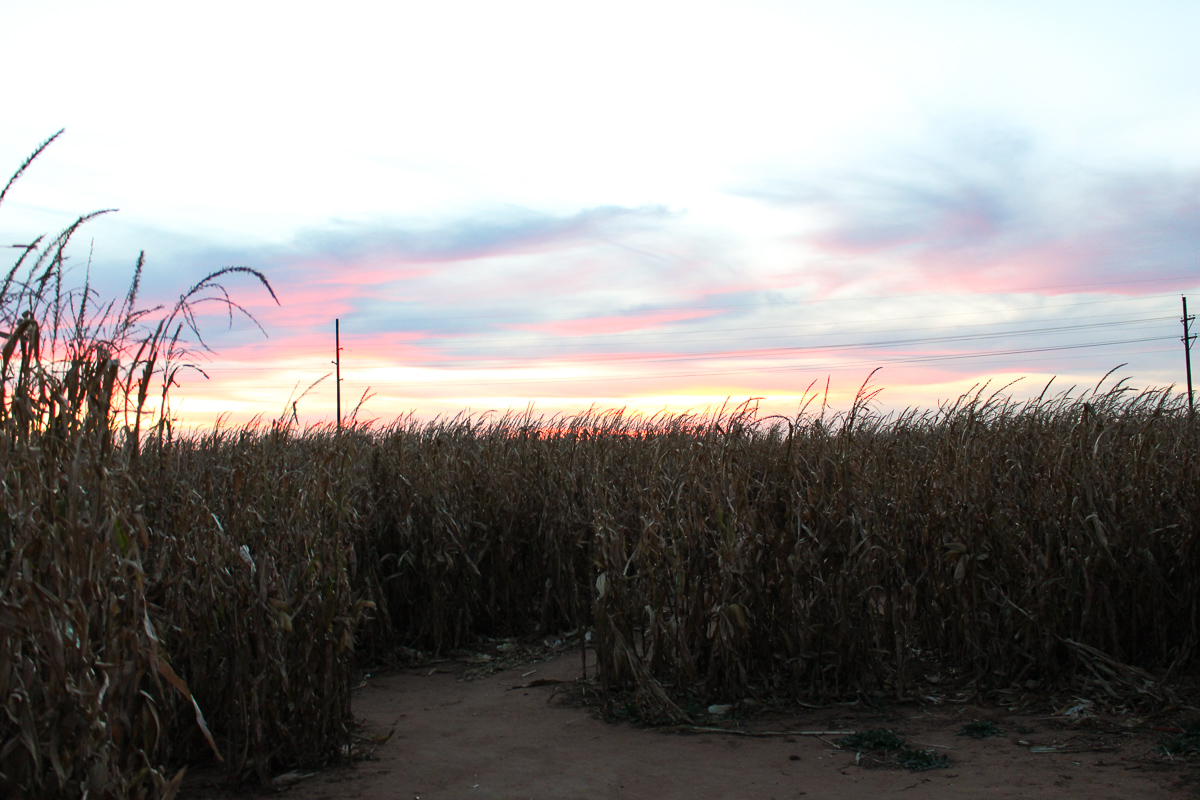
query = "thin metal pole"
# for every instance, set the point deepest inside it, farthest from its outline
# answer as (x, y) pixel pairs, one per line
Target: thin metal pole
(1188, 336)
(337, 367)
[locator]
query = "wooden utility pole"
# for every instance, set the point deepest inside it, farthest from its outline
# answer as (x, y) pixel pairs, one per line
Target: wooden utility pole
(337, 368)
(1188, 337)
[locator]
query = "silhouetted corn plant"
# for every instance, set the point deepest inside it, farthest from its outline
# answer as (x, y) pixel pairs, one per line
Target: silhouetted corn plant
(129, 612)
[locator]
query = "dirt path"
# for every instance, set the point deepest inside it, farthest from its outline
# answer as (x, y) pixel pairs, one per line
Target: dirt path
(483, 739)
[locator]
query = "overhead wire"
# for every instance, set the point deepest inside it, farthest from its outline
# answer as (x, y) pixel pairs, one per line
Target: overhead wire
(824, 301)
(592, 357)
(773, 304)
(770, 353)
(852, 345)
(490, 341)
(817, 367)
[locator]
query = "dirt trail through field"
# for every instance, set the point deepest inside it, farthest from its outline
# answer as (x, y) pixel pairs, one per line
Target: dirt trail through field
(483, 739)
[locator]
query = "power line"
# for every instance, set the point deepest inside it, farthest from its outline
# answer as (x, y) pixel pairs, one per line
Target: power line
(849, 345)
(767, 352)
(864, 362)
(487, 343)
(602, 337)
(780, 303)
(807, 352)
(819, 367)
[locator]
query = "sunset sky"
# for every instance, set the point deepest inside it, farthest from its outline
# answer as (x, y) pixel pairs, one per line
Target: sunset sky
(650, 204)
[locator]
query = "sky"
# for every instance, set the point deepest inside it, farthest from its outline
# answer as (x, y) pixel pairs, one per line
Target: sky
(650, 205)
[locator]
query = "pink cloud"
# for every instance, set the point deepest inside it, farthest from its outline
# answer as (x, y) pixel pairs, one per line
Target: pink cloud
(599, 326)
(990, 213)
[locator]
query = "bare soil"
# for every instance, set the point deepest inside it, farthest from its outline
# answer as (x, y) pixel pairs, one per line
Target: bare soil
(482, 738)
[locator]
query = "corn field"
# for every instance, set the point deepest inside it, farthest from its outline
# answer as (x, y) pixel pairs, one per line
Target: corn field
(173, 599)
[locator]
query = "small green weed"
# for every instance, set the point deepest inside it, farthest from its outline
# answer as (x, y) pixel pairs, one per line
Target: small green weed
(876, 739)
(980, 729)
(880, 739)
(920, 760)
(1182, 744)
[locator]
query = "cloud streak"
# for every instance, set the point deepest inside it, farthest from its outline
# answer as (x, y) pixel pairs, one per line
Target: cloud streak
(873, 267)
(992, 213)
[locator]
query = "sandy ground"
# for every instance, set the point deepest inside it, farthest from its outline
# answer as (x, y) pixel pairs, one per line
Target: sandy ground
(482, 739)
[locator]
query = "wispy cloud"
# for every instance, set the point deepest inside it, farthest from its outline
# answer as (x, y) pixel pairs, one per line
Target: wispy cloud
(989, 211)
(449, 276)
(440, 293)
(644, 302)
(479, 235)
(606, 325)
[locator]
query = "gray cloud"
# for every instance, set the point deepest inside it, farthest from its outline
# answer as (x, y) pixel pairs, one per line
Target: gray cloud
(407, 257)
(990, 202)
(496, 275)
(475, 236)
